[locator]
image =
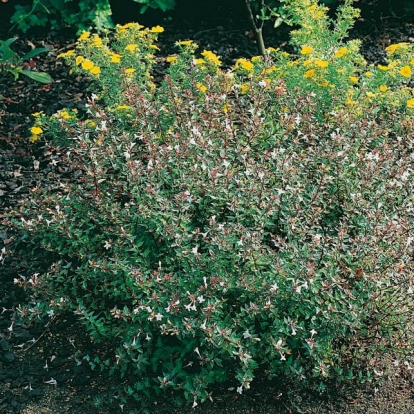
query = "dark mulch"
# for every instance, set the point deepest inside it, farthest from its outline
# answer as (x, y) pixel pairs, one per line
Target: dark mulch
(30, 357)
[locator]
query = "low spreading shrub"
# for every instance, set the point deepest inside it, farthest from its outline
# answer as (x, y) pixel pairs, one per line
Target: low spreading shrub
(224, 224)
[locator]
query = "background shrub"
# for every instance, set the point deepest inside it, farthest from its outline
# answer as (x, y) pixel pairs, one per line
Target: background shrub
(225, 224)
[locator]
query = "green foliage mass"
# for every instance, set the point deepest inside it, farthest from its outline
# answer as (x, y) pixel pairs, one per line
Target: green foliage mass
(82, 14)
(224, 225)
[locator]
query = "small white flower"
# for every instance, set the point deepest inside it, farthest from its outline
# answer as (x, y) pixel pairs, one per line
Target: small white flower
(200, 299)
(262, 83)
(195, 403)
(148, 338)
(240, 389)
(246, 334)
(107, 245)
(274, 287)
(313, 332)
(158, 317)
(52, 381)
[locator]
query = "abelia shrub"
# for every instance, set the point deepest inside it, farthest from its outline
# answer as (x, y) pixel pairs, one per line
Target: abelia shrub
(223, 224)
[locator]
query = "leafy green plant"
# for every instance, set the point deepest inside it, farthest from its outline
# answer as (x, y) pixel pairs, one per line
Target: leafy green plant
(224, 225)
(60, 13)
(82, 14)
(11, 62)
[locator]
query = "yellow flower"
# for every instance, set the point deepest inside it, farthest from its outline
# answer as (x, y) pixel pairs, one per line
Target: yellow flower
(269, 70)
(115, 58)
(96, 70)
(313, 7)
(129, 25)
(79, 60)
(87, 64)
(36, 114)
(392, 48)
(306, 50)
(83, 36)
(96, 41)
(184, 43)
(244, 89)
(122, 107)
(211, 57)
(370, 94)
(157, 29)
(201, 87)
(410, 103)
(340, 52)
(309, 73)
(353, 79)
(90, 123)
(321, 63)
(383, 88)
(307, 62)
(272, 50)
(36, 130)
(171, 58)
(256, 59)
(199, 61)
(66, 54)
(350, 102)
(324, 83)
(154, 47)
(130, 70)
(382, 67)
(406, 71)
(368, 74)
(65, 115)
(131, 47)
(244, 64)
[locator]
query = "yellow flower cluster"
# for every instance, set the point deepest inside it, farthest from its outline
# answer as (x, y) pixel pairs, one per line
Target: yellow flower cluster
(391, 49)
(244, 64)
(211, 57)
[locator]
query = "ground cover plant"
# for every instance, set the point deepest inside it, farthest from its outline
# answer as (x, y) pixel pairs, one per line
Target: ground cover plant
(225, 224)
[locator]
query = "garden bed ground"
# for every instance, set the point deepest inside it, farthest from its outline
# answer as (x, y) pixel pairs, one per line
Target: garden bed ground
(31, 358)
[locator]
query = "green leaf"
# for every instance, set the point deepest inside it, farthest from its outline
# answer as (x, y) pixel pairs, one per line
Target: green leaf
(41, 77)
(35, 52)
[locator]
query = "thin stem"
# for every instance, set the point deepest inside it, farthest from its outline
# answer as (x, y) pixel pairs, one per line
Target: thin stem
(257, 30)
